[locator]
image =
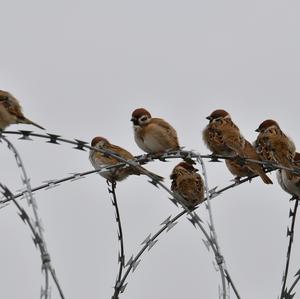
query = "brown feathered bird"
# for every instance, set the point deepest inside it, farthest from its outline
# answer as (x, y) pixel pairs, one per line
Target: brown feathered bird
(188, 184)
(99, 160)
(153, 135)
(222, 136)
(11, 111)
(273, 145)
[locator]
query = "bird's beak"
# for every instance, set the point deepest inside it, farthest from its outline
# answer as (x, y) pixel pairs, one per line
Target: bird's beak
(209, 117)
(30, 122)
(257, 130)
(135, 121)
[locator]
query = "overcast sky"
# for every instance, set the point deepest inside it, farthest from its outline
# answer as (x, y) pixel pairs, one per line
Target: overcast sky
(80, 68)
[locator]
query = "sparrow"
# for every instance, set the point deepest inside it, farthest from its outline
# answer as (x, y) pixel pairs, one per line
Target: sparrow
(273, 145)
(223, 137)
(11, 111)
(153, 135)
(291, 186)
(188, 184)
(118, 174)
(246, 169)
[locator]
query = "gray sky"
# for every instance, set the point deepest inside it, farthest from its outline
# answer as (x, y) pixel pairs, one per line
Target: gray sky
(79, 68)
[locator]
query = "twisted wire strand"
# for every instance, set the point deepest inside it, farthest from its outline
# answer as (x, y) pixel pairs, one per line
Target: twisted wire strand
(82, 145)
(46, 265)
(121, 254)
(219, 258)
(37, 241)
(290, 233)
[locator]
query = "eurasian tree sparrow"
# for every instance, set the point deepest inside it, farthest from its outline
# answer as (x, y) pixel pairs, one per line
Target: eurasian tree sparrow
(99, 160)
(11, 111)
(222, 136)
(188, 184)
(273, 145)
(153, 135)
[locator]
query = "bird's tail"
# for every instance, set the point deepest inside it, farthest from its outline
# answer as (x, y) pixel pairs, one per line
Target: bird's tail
(138, 170)
(265, 178)
(30, 122)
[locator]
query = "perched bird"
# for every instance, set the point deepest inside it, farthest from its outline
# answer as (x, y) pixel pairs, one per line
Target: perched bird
(291, 186)
(247, 168)
(11, 111)
(273, 145)
(99, 160)
(153, 135)
(223, 137)
(188, 184)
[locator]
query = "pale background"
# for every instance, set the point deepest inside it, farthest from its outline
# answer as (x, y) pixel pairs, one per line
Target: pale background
(80, 68)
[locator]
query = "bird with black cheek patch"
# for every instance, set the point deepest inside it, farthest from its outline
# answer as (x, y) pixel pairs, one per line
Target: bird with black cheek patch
(188, 184)
(99, 160)
(153, 135)
(11, 111)
(291, 186)
(273, 145)
(223, 137)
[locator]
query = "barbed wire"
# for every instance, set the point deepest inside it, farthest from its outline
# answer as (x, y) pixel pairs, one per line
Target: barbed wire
(289, 294)
(219, 257)
(46, 259)
(285, 294)
(45, 292)
(121, 253)
(143, 159)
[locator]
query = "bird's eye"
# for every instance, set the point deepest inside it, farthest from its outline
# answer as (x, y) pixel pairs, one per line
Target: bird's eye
(144, 118)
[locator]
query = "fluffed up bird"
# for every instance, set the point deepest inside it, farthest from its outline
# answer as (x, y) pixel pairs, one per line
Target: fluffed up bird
(188, 184)
(273, 145)
(291, 186)
(153, 135)
(223, 137)
(100, 160)
(11, 111)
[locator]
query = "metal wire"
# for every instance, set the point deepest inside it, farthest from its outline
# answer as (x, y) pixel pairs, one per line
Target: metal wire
(81, 145)
(290, 233)
(121, 254)
(46, 260)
